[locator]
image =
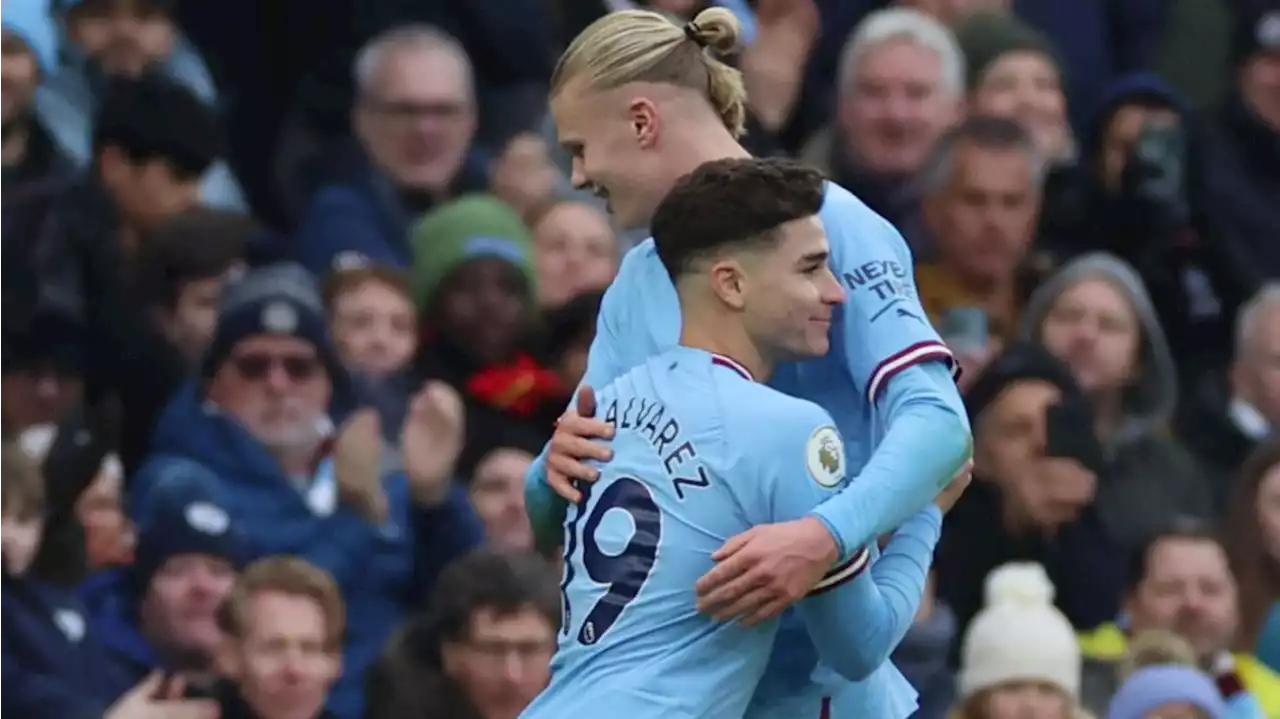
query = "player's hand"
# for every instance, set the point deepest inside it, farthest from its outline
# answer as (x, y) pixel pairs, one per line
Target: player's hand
(950, 494)
(571, 445)
(766, 569)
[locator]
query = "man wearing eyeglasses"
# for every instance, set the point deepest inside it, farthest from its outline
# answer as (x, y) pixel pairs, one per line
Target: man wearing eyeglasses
(260, 421)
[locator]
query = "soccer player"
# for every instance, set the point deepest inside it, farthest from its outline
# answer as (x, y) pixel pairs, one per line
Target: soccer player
(640, 102)
(703, 451)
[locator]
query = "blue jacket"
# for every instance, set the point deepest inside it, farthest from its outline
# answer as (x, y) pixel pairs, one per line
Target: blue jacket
(361, 214)
(111, 606)
(384, 572)
(54, 666)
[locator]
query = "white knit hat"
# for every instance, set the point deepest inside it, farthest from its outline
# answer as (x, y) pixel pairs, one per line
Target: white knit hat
(1019, 635)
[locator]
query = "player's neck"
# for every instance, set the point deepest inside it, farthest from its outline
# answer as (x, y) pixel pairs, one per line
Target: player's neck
(728, 338)
(696, 148)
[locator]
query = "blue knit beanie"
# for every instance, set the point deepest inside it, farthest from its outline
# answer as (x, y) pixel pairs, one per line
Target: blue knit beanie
(1159, 684)
(282, 299)
(32, 21)
(183, 516)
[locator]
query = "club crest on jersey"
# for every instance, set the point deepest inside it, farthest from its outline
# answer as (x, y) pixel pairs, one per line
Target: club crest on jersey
(824, 456)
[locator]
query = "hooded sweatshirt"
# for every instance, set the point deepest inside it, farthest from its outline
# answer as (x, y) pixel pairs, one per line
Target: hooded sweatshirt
(1148, 477)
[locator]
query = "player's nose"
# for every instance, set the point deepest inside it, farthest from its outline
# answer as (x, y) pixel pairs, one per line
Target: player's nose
(830, 290)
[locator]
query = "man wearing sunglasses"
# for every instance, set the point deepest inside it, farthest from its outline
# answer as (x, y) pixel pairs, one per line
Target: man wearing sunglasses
(259, 422)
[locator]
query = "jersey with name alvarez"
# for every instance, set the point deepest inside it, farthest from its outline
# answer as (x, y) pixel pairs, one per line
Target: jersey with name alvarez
(696, 461)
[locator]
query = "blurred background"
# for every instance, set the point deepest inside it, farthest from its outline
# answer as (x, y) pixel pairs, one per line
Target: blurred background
(230, 227)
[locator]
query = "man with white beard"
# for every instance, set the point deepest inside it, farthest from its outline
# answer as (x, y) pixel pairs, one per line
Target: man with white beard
(258, 427)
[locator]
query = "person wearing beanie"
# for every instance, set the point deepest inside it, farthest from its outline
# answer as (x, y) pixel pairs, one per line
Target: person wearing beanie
(1012, 70)
(1019, 656)
(161, 612)
(31, 56)
(474, 282)
(1168, 690)
(1032, 426)
(1096, 316)
(258, 426)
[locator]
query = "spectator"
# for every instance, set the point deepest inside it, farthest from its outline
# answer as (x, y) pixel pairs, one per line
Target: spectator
(1167, 690)
(1246, 132)
(1253, 546)
(152, 140)
(284, 621)
(42, 372)
(255, 428)
(574, 249)
(1036, 465)
(414, 119)
(108, 535)
(474, 282)
(524, 175)
(1019, 656)
(125, 38)
(375, 329)
(1181, 582)
(182, 268)
(1142, 198)
(483, 650)
(982, 189)
(30, 52)
(899, 89)
(1096, 316)
(1226, 423)
(374, 322)
(53, 663)
(1012, 71)
(161, 613)
(570, 332)
(497, 493)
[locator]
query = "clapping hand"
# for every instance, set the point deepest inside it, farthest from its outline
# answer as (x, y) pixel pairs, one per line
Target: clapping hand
(432, 440)
(357, 465)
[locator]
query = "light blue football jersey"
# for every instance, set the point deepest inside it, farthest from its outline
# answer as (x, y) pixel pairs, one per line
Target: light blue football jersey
(701, 453)
(879, 330)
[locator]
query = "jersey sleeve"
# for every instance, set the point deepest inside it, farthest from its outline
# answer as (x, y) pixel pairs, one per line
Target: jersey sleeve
(884, 328)
(605, 363)
(798, 458)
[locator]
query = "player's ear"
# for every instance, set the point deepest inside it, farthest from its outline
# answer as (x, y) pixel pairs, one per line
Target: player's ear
(644, 122)
(728, 282)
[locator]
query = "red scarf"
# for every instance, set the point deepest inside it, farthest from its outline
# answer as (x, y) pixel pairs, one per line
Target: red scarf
(517, 388)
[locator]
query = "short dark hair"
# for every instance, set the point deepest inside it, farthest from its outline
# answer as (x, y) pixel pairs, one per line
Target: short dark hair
(503, 582)
(730, 202)
(198, 244)
(1183, 527)
(153, 118)
(999, 134)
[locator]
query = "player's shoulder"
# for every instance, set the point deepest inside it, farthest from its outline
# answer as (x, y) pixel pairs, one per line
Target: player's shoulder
(640, 260)
(772, 426)
(765, 414)
(855, 228)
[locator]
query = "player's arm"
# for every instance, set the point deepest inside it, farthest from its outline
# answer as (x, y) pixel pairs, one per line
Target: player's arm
(545, 508)
(855, 618)
(906, 372)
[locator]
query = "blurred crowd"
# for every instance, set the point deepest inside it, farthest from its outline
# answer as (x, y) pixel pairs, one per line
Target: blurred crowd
(293, 293)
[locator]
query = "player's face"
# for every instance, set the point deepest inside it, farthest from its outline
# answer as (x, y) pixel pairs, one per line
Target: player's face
(792, 293)
(611, 137)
